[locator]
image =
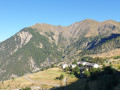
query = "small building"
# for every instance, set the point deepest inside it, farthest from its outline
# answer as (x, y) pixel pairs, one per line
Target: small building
(94, 65)
(73, 65)
(82, 63)
(88, 64)
(64, 66)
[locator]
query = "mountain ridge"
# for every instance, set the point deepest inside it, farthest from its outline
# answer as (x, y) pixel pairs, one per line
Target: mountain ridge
(41, 45)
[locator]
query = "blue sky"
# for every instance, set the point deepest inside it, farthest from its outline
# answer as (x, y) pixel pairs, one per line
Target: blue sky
(17, 14)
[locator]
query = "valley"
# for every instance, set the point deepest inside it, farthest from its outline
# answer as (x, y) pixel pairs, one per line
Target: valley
(26, 58)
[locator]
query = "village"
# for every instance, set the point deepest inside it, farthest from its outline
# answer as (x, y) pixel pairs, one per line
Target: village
(81, 67)
(93, 65)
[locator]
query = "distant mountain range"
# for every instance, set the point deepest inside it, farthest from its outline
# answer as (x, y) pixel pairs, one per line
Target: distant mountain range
(41, 45)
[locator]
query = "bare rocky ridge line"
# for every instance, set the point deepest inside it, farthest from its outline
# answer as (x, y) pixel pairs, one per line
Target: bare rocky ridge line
(93, 28)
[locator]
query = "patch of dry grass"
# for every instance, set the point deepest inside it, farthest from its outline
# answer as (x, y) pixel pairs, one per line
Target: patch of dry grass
(115, 52)
(47, 76)
(116, 65)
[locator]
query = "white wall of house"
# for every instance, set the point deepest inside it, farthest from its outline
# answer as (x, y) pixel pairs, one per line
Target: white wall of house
(84, 63)
(73, 66)
(78, 63)
(64, 66)
(96, 66)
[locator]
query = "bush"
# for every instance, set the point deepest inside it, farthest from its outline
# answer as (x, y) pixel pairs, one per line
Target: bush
(66, 69)
(86, 73)
(77, 70)
(75, 62)
(119, 67)
(53, 65)
(108, 70)
(61, 77)
(26, 88)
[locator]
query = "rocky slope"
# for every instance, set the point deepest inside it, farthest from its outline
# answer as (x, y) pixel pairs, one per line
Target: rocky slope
(40, 45)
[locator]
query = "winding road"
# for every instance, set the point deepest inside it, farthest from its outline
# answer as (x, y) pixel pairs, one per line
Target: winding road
(56, 85)
(65, 80)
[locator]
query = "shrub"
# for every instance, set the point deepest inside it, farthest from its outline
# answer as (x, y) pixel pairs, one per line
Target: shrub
(75, 62)
(77, 70)
(119, 67)
(61, 77)
(86, 73)
(26, 88)
(66, 69)
(53, 65)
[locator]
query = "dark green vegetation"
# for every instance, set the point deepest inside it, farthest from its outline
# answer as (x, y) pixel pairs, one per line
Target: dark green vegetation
(61, 77)
(19, 62)
(85, 71)
(104, 79)
(41, 45)
(27, 88)
(105, 44)
(116, 57)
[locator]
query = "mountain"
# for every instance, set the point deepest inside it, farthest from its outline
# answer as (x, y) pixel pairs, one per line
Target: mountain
(41, 45)
(105, 44)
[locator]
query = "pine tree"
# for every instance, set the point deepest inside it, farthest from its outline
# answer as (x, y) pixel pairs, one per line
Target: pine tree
(86, 73)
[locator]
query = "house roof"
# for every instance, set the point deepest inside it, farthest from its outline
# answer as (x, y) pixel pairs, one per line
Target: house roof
(91, 64)
(81, 62)
(64, 65)
(81, 68)
(73, 65)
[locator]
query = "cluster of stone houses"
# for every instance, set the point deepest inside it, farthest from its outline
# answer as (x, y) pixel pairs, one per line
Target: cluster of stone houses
(87, 64)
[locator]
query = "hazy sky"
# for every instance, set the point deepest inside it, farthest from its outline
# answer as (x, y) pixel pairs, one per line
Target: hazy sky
(17, 14)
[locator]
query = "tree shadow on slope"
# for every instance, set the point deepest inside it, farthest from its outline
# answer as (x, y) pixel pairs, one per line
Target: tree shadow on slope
(102, 40)
(107, 79)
